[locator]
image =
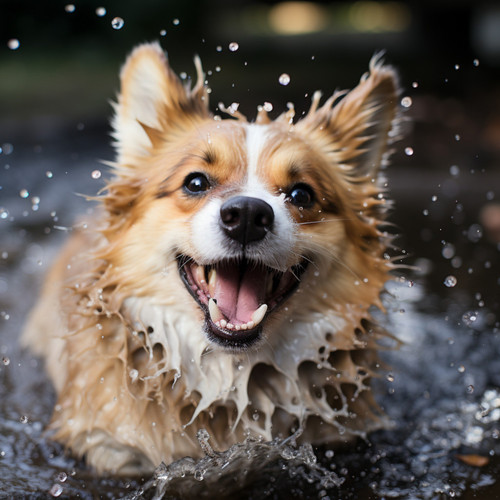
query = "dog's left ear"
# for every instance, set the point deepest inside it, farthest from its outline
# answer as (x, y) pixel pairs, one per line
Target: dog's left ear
(152, 102)
(356, 128)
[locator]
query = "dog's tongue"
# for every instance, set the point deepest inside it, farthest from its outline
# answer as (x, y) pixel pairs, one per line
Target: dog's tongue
(239, 294)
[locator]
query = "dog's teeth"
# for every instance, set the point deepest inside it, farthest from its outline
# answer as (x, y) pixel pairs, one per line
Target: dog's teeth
(212, 278)
(223, 323)
(199, 274)
(258, 314)
(215, 313)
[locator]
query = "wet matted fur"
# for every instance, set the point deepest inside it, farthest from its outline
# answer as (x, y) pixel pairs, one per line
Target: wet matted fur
(138, 356)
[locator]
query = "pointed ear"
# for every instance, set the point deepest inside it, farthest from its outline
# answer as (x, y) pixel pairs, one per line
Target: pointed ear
(356, 128)
(152, 100)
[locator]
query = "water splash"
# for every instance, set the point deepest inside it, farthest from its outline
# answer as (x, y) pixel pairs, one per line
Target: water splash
(233, 470)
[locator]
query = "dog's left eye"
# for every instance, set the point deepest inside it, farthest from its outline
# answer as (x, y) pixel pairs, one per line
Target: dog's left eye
(301, 195)
(196, 183)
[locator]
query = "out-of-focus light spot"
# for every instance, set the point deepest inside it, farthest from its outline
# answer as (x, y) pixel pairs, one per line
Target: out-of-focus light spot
(379, 17)
(296, 18)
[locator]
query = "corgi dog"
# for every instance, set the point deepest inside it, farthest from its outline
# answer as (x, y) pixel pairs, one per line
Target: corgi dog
(228, 278)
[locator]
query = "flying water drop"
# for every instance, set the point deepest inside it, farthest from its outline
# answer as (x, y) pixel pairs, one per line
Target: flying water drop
(117, 23)
(284, 79)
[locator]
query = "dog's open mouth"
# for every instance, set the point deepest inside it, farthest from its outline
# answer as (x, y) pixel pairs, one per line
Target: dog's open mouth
(237, 296)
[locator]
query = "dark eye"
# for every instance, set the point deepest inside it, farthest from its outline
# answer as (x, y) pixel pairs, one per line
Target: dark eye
(301, 195)
(196, 183)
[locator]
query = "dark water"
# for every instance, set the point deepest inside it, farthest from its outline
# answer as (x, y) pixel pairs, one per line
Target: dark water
(442, 390)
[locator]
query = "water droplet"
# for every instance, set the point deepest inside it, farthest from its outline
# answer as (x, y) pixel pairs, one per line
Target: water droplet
(56, 490)
(199, 474)
(448, 251)
(268, 106)
(49, 174)
(133, 374)
(414, 85)
(234, 46)
(4, 213)
(6, 361)
(408, 151)
(24, 419)
(100, 11)
(390, 377)
(62, 476)
(450, 281)
(69, 8)
(470, 389)
(454, 170)
(13, 44)
(475, 233)
(469, 318)
(218, 48)
(24, 193)
(461, 369)
(406, 102)
(163, 32)
(96, 174)
(117, 23)
(475, 62)
(457, 137)
(176, 22)
(457, 66)
(284, 79)
(434, 198)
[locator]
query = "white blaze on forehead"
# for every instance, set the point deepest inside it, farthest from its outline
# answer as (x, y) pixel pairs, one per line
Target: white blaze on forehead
(257, 137)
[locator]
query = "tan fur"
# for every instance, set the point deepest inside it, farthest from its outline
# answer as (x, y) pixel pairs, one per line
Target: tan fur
(122, 338)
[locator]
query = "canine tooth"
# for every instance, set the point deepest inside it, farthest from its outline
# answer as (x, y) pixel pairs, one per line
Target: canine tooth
(215, 314)
(212, 278)
(199, 274)
(258, 314)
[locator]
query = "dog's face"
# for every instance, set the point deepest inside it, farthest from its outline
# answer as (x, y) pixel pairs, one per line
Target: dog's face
(252, 220)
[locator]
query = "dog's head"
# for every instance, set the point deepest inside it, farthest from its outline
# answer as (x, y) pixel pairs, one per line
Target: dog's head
(254, 219)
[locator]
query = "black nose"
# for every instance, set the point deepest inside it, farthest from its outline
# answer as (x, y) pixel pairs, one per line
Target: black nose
(246, 219)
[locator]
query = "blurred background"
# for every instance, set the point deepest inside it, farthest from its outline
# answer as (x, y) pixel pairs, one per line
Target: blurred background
(59, 66)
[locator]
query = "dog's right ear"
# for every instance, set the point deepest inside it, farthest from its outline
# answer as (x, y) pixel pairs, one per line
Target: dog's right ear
(152, 102)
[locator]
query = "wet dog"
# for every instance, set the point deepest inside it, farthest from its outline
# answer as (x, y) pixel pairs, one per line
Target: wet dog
(227, 280)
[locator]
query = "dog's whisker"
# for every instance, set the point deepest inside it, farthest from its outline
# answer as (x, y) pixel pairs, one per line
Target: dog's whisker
(321, 221)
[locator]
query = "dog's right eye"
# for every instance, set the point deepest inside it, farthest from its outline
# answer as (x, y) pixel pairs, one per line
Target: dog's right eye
(196, 183)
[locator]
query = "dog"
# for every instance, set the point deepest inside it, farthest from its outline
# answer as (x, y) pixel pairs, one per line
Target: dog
(228, 279)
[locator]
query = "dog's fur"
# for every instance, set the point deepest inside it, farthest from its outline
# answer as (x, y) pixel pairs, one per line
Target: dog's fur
(137, 363)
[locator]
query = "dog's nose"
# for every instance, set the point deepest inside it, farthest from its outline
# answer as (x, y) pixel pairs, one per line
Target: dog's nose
(245, 219)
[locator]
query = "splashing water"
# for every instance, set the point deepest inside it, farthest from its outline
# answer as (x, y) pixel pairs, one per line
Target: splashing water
(241, 466)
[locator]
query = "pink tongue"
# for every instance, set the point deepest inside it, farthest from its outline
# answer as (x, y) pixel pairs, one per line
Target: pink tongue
(239, 296)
